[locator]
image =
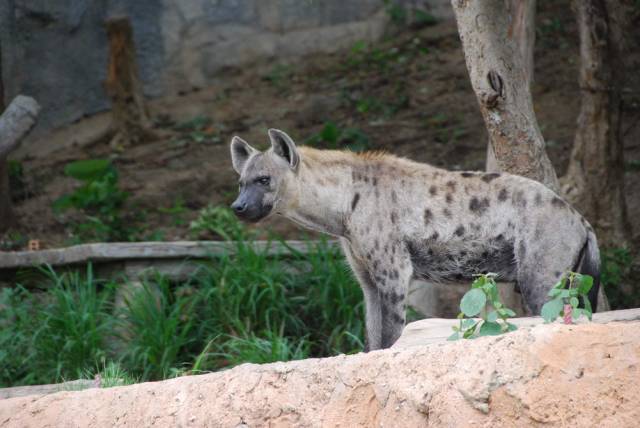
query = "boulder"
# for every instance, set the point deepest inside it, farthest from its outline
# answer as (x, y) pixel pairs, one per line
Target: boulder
(558, 375)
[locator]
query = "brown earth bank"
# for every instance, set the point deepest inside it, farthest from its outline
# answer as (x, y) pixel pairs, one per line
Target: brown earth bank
(551, 375)
(409, 94)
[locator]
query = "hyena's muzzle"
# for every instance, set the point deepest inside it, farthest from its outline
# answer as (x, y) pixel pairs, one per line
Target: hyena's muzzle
(250, 205)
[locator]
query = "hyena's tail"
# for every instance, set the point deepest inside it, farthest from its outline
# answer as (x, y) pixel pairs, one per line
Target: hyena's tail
(589, 264)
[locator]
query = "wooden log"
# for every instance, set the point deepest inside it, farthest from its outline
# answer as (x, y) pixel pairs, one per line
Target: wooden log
(103, 252)
(15, 123)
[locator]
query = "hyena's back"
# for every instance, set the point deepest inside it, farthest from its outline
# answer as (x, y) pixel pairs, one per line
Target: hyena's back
(454, 225)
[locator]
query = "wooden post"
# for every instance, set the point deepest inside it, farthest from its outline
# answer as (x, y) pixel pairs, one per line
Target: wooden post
(130, 116)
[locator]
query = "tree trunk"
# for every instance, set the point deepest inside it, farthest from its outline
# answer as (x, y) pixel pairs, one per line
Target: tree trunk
(495, 68)
(130, 116)
(15, 123)
(595, 179)
(523, 31)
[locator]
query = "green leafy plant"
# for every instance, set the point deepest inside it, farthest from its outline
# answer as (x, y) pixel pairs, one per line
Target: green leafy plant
(566, 295)
(482, 300)
(333, 137)
(99, 200)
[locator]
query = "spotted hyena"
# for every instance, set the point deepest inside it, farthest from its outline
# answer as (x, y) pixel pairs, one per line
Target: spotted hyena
(399, 220)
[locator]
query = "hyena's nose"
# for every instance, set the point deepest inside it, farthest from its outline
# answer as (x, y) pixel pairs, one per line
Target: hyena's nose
(239, 207)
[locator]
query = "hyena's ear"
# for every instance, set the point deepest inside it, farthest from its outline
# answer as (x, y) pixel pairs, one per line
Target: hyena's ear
(284, 147)
(241, 151)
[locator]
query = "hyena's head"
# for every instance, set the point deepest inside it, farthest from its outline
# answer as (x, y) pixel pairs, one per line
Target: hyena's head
(265, 177)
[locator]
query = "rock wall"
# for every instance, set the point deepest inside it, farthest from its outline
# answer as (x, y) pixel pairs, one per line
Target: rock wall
(56, 50)
(552, 375)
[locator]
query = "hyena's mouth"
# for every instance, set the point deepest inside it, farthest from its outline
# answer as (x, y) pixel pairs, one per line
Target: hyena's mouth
(254, 215)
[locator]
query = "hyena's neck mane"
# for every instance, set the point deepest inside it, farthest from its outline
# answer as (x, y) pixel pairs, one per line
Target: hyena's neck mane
(324, 192)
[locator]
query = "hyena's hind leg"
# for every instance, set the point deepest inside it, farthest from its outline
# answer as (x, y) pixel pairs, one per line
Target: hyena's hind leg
(384, 290)
(541, 265)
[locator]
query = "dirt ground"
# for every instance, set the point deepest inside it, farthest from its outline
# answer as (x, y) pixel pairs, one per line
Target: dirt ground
(408, 94)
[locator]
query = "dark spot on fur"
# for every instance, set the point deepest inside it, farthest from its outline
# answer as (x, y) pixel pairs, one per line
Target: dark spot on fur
(394, 217)
(376, 244)
(522, 250)
(467, 174)
(503, 195)
(366, 179)
(428, 215)
(558, 203)
(354, 202)
(434, 236)
(463, 253)
(446, 212)
(433, 190)
(451, 185)
(489, 177)
(478, 206)
(448, 198)
(538, 199)
(499, 237)
(459, 230)
(475, 226)
(394, 196)
(374, 181)
(397, 318)
(519, 199)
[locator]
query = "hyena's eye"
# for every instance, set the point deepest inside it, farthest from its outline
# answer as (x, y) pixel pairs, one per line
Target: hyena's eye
(264, 181)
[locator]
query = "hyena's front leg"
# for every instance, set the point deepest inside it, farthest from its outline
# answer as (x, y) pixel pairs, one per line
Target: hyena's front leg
(384, 285)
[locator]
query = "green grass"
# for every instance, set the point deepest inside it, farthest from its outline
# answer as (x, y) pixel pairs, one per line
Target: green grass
(246, 307)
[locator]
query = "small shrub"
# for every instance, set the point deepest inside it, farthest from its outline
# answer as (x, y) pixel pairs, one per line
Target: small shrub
(156, 325)
(110, 374)
(566, 295)
(482, 296)
(98, 199)
(219, 221)
(260, 350)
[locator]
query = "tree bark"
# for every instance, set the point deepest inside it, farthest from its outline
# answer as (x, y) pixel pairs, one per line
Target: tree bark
(496, 71)
(523, 31)
(15, 123)
(130, 116)
(595, 179)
